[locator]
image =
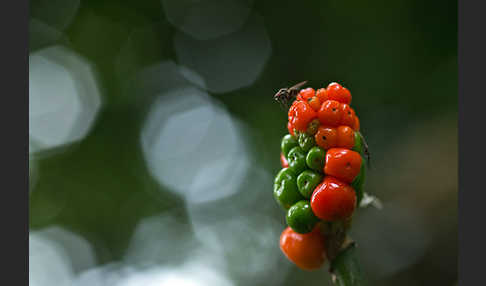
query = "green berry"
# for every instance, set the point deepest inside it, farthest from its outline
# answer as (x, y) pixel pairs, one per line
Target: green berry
(313, 126)
(358, 143)
(358, 182)
(316, 158)
(296, 159)
(306, 141)
(285, 189)
(288, 142)
(301, 218)
(307, 181)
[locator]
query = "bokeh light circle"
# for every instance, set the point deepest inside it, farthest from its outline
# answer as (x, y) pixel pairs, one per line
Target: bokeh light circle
(230, 62)
(64, 98)
(207, 19)
(163, 238)
(193, 146)
(56, 256)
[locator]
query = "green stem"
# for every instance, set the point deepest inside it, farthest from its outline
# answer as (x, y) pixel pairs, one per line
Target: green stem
(345, 268)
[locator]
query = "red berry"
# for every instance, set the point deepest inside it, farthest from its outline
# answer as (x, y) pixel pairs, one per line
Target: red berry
(307, 250)
(290, 127)
(300, 114)
(345, 137)
(336, 92)
(347, 115)
(356, 123)
(342, 163)
(283, 161)
(315, 103)
(330, 113)
(326, 137)
(306, 93)
(321, 93)
(333, 200)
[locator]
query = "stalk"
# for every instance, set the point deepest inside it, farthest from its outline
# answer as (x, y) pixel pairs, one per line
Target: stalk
(345, 268)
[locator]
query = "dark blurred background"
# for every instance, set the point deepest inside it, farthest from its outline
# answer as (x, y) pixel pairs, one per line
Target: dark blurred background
(154, 138)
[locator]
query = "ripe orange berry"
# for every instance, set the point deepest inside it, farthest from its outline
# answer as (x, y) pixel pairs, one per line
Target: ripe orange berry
(333, 200)
(343, 164)
(326, 137)
(336, 92)
(307, 250)
(290, 127)
(347, 115)
(345, 137)
(321, 93)
(315, 103)
(300, 114)
(306, 93)
(330, 113)
(356, 123)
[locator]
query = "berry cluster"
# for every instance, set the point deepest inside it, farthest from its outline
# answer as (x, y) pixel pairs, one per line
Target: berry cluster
(323, 173)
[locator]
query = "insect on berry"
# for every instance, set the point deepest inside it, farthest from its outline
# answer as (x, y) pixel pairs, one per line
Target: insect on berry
(285, 96)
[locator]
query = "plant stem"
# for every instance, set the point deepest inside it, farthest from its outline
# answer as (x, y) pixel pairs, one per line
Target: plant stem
(345, 268)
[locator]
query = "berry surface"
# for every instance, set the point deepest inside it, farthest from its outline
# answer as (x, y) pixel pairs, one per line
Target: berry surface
(326, 137)
(300, 114)
(342, 163)
(315, 159)
(333, 200)
(301, 218)
(307, 251)
(306, 94)
(345, 137)
(285, 189)
(296, 159)
(347, 117)
(330, 113)
(339, 93)
(307, 181)
(288, 142)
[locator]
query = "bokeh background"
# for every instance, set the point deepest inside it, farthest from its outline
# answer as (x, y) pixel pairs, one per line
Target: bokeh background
(154, 138)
